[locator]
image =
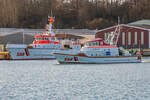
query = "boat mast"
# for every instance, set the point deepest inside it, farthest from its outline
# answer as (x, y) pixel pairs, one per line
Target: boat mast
(118, 34)
(50, 20)
(114, 36)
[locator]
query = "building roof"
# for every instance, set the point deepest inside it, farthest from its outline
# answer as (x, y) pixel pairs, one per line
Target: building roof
(141, 26)
(8, 31)
(75, 31)
(16, 39)
(127, 25)
(141, 23)
(68, 36)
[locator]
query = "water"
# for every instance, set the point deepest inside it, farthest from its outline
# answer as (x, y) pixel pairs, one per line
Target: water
(47, 80)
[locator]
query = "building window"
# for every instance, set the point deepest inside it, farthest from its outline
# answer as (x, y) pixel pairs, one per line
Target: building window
(142, 38)
(135, 38)
(123, 38)
(129, 38)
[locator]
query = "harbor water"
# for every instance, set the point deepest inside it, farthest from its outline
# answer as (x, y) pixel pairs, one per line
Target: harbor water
(48, 80)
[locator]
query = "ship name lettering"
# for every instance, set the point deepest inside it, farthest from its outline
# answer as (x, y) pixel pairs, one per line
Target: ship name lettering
(68, 59)
(20, 54)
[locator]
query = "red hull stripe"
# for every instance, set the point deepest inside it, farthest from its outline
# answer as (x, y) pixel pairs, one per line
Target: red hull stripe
(27, 52)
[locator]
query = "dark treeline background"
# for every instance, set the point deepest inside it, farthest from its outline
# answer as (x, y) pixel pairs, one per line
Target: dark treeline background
(91, 14)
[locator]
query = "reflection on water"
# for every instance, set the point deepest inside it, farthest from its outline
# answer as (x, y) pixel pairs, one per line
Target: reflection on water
(47, 80)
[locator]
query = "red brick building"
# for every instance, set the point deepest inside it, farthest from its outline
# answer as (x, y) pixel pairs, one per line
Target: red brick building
(131, 36)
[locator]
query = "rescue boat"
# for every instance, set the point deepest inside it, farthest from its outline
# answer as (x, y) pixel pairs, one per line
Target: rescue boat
(41, 48)
(98, 51)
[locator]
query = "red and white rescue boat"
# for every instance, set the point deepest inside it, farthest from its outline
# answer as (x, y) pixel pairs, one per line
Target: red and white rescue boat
(41, 48)
(96, 51)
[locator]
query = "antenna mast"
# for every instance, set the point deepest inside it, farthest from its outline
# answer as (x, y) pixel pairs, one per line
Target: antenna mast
(51, 19)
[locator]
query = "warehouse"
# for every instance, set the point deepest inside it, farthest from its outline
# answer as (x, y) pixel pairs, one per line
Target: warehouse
(132, 35)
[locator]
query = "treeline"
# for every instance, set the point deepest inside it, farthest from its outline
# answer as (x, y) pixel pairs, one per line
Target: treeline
(92, 14)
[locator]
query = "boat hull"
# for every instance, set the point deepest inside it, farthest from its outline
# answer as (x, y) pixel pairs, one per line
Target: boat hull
(68, 58)
(24, 53)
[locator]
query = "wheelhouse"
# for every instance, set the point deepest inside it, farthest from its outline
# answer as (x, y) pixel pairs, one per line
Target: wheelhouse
(44, 39)
(97, 42)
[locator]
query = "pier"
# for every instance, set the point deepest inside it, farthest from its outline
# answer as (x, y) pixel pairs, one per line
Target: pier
(4, 56)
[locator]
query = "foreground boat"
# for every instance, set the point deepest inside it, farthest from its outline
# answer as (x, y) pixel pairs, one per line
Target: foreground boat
(96, 51)
(42, 46)
(99, 51)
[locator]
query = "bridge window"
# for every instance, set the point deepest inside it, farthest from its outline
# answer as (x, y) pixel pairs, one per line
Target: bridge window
(90, 44)
(46, 38)
(38, 38)
(52, 38)
(97, 43)
(94, 43)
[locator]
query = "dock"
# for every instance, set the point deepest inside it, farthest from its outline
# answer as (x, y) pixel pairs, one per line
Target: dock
(4, 56)
(146, 52)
